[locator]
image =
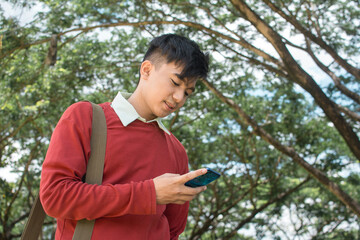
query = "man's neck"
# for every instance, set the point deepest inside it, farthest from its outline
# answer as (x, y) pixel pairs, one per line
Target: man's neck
(137, 101)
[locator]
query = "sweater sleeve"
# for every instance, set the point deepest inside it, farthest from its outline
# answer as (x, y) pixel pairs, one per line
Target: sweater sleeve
(62, 192)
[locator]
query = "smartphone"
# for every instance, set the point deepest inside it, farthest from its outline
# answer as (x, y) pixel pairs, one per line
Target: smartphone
(203, 180)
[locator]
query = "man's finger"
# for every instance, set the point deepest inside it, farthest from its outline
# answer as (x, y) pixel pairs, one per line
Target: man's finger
(192, 192)
(191, 175)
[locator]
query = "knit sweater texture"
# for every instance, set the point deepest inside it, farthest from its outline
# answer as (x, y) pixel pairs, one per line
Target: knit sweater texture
(124, 206)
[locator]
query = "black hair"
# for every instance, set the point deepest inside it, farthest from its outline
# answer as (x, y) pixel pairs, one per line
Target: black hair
(181, 51)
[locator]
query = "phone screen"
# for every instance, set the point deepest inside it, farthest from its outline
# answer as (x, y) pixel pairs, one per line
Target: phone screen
(203, 180)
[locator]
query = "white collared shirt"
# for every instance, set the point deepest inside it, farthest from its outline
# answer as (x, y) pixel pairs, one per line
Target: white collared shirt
(127, 113)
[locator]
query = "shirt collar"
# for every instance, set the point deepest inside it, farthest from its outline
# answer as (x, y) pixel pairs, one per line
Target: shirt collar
(127, 113)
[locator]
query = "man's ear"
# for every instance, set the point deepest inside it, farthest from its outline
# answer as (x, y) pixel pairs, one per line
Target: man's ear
(145, 69)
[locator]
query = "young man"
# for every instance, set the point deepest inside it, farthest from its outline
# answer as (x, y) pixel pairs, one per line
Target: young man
(143, 194)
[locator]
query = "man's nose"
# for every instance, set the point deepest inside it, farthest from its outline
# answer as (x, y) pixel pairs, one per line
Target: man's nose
(179, 96)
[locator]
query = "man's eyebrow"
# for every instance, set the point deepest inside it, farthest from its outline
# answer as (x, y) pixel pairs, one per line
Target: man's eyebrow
(179, 76)
(182, 79)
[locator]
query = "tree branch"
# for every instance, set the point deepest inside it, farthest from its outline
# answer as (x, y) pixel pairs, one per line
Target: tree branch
(281, 71)
(261, 208)
(352, 95)
(13, 133)
(31, 157)
(342, 62)
(349, 113)
(320, 176)
(301, 77)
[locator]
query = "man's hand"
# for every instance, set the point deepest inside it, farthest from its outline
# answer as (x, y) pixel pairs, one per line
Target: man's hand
(170, 187)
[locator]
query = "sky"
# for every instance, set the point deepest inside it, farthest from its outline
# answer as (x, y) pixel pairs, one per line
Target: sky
(24, 15)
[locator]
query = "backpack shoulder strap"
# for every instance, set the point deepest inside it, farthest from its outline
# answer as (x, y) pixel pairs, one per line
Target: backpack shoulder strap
(94, 174)
(35, 221)
(95, 166)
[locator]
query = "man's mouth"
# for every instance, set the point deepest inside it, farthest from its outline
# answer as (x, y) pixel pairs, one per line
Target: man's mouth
(171, 106)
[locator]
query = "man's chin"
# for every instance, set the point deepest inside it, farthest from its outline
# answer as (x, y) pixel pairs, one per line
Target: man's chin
(165, 114)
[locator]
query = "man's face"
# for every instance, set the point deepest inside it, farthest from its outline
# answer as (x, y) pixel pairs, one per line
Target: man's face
(164, 91)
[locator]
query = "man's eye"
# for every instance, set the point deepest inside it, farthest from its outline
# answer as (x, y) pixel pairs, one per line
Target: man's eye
(175, 83)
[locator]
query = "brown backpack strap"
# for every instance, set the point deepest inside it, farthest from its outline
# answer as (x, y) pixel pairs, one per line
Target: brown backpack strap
(94, 174)
(35, 221)
(95, 166)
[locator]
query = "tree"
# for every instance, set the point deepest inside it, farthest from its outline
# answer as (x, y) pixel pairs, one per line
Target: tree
(262, 114)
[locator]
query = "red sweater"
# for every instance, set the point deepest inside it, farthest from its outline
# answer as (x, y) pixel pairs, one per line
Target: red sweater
(124, 206)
